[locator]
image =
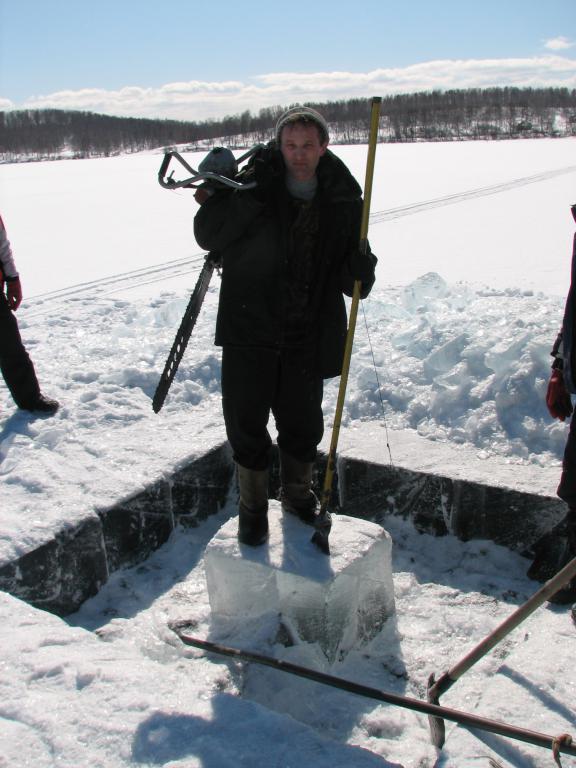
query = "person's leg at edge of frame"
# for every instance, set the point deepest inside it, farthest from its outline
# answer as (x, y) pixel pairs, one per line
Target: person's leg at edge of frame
(15, 363)
(567, 487)
(17, 368)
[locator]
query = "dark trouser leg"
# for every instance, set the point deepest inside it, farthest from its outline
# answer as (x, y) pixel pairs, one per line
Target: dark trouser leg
(557, 547)
(567, 488)
(249, 376)
(297, 406)
(300, 424)
(258, 380)
(15, 363)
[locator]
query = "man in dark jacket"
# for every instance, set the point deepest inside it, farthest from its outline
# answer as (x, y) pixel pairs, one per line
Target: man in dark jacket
(290, 251)
(555, 550)
(562, 383)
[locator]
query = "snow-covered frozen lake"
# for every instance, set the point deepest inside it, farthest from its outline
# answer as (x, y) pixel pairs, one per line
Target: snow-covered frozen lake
(474, 242)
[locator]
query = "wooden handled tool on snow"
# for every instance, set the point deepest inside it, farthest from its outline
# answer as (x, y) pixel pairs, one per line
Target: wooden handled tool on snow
(324, 521)
(437, 687)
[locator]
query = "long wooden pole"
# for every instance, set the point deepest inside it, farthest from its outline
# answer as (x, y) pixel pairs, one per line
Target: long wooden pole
(324, 521)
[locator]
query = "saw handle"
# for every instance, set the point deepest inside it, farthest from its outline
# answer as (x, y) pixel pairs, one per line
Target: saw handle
(197, 177)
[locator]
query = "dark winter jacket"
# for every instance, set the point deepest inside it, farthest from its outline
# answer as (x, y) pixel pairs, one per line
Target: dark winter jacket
(252, 233)
(564, 350)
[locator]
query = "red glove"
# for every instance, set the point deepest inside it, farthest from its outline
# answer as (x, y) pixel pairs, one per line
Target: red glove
(557, 396)
(13, 292)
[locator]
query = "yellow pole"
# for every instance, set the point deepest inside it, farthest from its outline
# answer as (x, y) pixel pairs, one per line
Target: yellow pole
(324, 522)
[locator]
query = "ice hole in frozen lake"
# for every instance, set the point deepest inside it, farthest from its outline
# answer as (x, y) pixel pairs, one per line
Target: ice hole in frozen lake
(338, 602)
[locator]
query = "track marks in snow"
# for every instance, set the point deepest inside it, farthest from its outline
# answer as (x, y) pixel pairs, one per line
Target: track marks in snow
(45, 303)
(472, 194)
(107, 286)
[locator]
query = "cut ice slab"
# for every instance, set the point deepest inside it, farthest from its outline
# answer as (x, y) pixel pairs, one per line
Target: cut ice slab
(340, 601)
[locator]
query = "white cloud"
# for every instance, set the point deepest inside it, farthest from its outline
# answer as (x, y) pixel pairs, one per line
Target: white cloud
(196, 100)
(558, 44)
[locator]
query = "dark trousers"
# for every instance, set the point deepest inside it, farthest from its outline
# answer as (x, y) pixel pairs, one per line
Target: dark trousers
(15, 364)
(257, 381)
(567, 488)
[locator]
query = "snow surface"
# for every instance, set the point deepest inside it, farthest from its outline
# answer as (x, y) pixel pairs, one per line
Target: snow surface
(451, 358)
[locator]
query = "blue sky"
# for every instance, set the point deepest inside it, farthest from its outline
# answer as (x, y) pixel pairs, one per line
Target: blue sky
(195, 59)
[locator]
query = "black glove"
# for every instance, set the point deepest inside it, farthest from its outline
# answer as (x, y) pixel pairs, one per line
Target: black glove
(362, 264)
(266, 168)
(13, 292)
(264, 173)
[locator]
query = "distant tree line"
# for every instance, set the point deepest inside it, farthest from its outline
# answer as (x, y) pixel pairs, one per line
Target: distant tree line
(492, 113)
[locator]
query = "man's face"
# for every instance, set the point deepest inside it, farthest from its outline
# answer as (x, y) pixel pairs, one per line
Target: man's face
(301, 149)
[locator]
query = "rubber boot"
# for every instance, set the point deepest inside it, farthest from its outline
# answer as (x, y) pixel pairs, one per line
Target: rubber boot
(253, 507)
(296, 494)
(553, 551)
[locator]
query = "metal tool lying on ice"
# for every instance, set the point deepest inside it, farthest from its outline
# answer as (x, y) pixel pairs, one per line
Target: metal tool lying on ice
(558, 744)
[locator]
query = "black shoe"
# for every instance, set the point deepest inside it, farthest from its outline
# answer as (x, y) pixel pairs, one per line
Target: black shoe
(43, 404)
(252, 525)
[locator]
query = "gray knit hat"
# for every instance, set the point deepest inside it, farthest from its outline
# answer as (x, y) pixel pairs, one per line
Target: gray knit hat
(303, 115)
